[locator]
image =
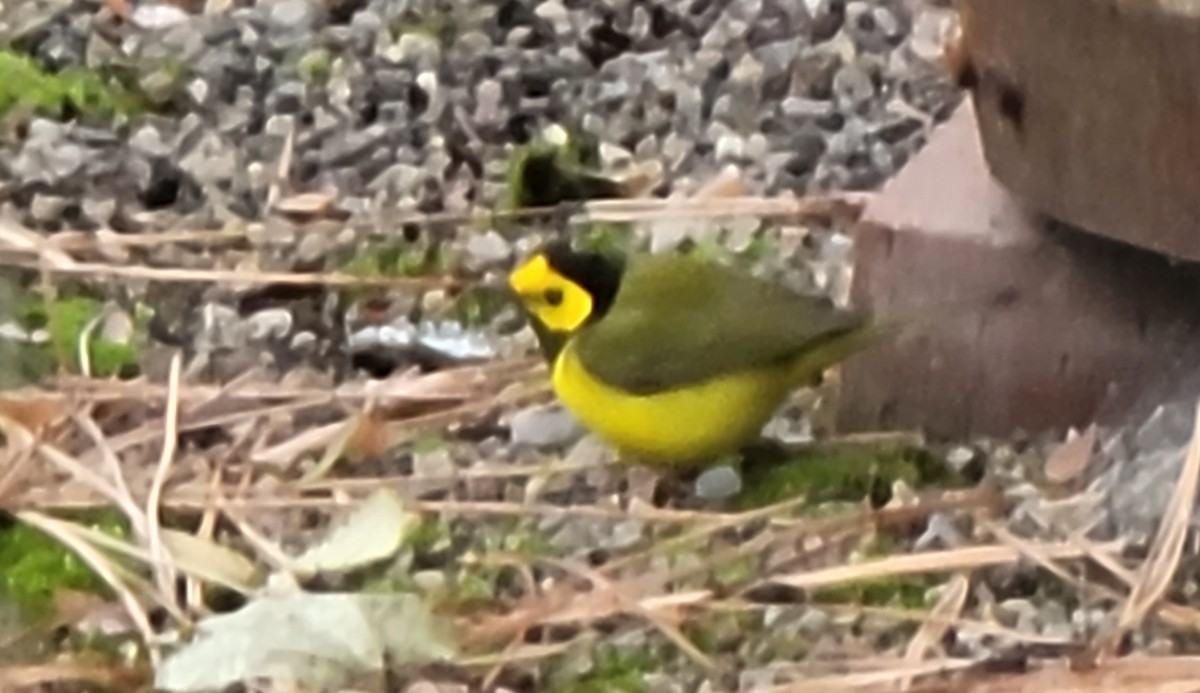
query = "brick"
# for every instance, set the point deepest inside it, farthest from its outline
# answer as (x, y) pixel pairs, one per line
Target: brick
(1088, 111)
(1095, 330)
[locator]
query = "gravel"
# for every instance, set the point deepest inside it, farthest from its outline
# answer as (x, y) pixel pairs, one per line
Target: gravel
(799, 96)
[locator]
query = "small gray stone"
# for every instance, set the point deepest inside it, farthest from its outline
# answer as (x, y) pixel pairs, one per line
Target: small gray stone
(626, 534)
(814, 621)
(211, 161)
(303, 341)
(288, 98)
(48, 161)
(718, 483)
(801, 107)
(556, 13)
(730, 147)
(98, 210)
(418, 49)
(852, 87)
(544, 426)
(590, 451)
(148, 141)
(434, 471)
(292, 15)
(274, 323)
(960, 456)
(47, 209)
(487, 250)
(198, 90)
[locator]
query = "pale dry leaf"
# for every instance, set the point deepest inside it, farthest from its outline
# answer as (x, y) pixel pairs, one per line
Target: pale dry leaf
(1072, 457)
(211, 561)
(34, 410)
(373, 532)
(315, 640)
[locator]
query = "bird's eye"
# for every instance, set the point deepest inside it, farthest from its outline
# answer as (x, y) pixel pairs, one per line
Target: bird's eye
(553, 296)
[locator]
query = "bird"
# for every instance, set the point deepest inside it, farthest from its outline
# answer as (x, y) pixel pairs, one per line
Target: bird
(673, 359)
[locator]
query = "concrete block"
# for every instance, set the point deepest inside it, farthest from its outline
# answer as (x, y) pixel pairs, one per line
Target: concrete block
(1092, 330)
(1088, 111)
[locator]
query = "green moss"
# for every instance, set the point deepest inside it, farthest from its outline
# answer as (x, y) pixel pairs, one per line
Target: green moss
(899, 592)
(427, 444)
(721, 631)
(759, 248)
(65, 319)
(902, 591)
(36, 567)
(612, 671)
(825, 473)
(396, 258)
(735, 572)
(478, 305)
(27, 87)
(429, 536)
(315, 65)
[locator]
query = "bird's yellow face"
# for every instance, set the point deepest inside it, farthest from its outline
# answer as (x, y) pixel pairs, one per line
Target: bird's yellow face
(552, 299)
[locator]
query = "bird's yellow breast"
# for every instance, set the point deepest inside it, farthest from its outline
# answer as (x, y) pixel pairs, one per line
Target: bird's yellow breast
(680, 425)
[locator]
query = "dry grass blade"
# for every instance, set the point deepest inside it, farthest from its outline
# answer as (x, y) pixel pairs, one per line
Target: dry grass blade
(55, 676)
(1034, 552)
(137, 519)
(64, 533)
(15, 432)
(1163, 559)
(164, 572)
(885, 677)
(193, 275)
(22, 240)
(1175, 614)
(933, 629)
(651, 209)
(606, 590)
(1132, 674)
(967, 558)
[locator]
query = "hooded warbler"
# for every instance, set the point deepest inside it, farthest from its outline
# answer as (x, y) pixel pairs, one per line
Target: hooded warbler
(670, 358)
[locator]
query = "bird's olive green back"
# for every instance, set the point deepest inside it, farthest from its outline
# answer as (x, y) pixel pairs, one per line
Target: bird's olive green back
(678, 320)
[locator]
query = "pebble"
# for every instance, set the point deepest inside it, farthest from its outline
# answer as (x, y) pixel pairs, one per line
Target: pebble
(47, 208)
(271, 323)
(718, 483)
(486, 250)
(544, 426)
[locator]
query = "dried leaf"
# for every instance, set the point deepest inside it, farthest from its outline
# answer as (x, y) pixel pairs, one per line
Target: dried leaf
(315, 641)
(219, 564)
(1071, 458)
(375, 531)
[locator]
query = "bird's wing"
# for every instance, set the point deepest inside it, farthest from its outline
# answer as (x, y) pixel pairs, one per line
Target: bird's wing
(678, 320)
